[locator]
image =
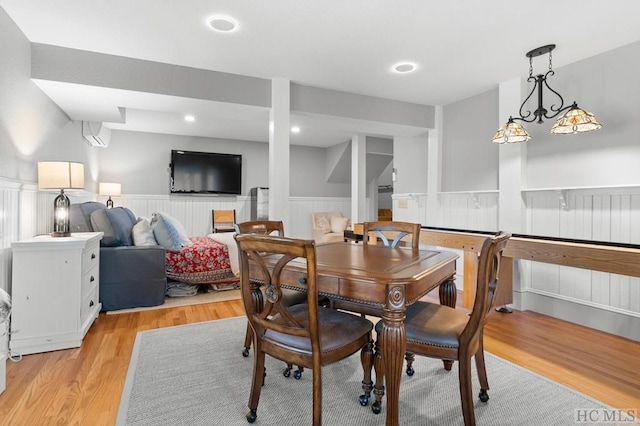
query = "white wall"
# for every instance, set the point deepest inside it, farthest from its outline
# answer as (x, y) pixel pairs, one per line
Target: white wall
(469, 160)
(140, 162)
(32, 128)
(608, 86)
(410, 157)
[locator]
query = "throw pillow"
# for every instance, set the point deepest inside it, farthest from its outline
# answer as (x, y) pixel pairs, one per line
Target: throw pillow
(339, 224)
(143, 234)
(169, 232)
(323, 223)
(116, 224)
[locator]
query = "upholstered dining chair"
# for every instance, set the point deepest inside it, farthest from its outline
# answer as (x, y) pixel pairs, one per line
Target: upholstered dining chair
(402, 230)
(306, 334)
(438, 331)
(289, 297)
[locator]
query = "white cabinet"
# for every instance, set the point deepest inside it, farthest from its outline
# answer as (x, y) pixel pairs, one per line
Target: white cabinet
(55, 290)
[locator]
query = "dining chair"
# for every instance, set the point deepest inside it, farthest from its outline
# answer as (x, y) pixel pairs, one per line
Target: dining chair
(223, 220)
(306, 334)
(383, 230)
(400, 231)
(438, 331)
(289, 297)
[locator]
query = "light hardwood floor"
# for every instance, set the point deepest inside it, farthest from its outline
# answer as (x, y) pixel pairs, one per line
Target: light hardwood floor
(83, 386)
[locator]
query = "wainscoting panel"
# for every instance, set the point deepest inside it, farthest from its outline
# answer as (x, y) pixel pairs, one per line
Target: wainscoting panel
(469, 210)
(600, 214)
(9, 225)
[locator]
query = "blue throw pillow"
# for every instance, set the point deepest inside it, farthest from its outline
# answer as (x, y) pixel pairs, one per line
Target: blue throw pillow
(116, 224)
(169, 232)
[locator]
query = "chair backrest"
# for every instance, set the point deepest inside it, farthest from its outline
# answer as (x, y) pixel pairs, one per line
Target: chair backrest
(274, 314)
(264, 227)
(223, 220)
(403, 229)
(487, 283)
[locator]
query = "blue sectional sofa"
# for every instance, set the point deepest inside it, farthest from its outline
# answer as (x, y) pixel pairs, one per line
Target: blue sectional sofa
(130, 276)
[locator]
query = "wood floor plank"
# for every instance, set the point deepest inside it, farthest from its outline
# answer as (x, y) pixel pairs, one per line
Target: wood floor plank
(84, 385)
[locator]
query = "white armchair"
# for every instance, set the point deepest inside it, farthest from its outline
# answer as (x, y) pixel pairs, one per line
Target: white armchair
(328, 227)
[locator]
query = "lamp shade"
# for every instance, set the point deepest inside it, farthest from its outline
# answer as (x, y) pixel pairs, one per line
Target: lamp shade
(110, 189)
(511, 132)
(60, 175)
(575, 120)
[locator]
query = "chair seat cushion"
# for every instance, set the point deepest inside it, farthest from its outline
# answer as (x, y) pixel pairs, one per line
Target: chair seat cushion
(433, 325)
(337, 330)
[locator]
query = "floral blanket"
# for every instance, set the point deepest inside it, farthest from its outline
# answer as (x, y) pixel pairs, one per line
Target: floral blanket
(205, 262)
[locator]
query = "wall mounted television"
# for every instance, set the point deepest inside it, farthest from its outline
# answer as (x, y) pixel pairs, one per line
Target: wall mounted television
(205, 173)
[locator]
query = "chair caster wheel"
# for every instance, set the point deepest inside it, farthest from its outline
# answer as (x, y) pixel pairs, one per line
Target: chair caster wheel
(484, 396)
(410, 371)
(245, 352)
(376, 407)
(252, 416)
(364, 400)
(286, 372)
(298, 373)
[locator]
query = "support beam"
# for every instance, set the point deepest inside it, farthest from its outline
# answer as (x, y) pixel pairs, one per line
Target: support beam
(358, 178)
(279, 167)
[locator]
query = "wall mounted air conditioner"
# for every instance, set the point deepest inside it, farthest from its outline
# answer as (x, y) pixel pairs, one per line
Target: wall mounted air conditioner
(96, 133)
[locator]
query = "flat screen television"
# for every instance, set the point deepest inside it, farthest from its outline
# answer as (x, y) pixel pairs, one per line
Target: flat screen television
(205, 173)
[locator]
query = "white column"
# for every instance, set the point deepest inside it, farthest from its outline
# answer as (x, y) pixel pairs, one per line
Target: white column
(358, 178)
(434, 174)
(512, 164)
(511, 180)
(279, 128)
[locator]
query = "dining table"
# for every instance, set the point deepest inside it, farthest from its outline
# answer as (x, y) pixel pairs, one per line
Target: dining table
(384, 280)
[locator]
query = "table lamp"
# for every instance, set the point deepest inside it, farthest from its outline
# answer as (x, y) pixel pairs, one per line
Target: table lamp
(60, 175)
(109, 189)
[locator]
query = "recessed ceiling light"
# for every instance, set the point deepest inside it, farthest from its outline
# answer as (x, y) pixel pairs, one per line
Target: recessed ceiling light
(189, 118)
(222, 24)
(404, 67)
(295, 129)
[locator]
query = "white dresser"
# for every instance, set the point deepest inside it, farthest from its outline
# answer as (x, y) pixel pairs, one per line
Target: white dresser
(55, 288)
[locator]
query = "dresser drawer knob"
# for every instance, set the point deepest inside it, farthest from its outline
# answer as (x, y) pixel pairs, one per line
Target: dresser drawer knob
(302, 281)
(91, 303)
(93, 255)
(92, 279)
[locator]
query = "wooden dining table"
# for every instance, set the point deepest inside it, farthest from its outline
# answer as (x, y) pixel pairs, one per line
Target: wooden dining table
(383, 279)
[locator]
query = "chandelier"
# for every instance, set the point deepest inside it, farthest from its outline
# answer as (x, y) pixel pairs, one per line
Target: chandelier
(574, 120)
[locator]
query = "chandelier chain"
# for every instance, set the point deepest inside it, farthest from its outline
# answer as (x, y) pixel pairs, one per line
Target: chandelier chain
(550, 65)
(530, 67)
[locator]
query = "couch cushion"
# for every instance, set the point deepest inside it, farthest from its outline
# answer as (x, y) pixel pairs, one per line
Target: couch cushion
(339, 224)
(322, 223)
(142, 234)
(80, 215)
(169, 232)
(116, 223)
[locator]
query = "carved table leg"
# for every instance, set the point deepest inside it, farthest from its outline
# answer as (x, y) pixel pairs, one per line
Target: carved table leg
(448, 295)
(394, 344)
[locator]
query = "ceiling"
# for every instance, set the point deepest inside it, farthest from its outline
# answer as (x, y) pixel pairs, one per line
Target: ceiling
(461, 48)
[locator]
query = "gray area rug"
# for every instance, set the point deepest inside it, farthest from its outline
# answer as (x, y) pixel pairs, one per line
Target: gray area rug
(196, 375)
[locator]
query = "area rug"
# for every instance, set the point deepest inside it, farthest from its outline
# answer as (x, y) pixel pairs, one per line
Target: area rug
(172, 302)
(196, 375)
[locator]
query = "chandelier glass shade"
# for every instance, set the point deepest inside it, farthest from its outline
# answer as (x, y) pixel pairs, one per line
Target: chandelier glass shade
(511, 132)
(574, 119)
